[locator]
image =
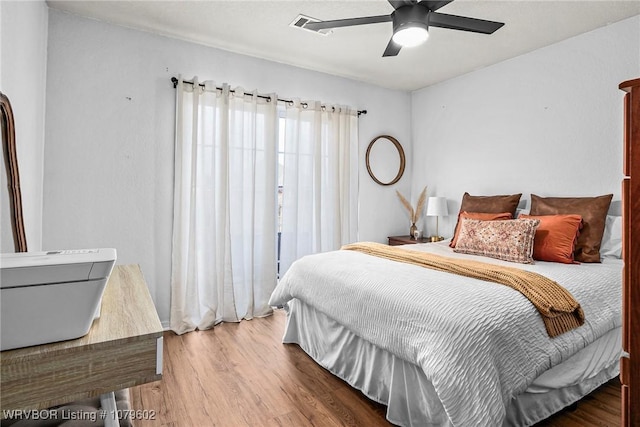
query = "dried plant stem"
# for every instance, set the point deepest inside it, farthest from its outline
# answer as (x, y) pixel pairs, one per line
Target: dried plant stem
(406, 204)
(422, 199)
(414, 214)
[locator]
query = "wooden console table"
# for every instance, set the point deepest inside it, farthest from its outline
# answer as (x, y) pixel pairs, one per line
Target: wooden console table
(406, 240)
(122, 349)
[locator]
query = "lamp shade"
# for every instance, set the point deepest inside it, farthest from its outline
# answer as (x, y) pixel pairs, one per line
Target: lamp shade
(437, 206)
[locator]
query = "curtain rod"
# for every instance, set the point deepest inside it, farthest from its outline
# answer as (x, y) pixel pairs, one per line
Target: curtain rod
(175, 84)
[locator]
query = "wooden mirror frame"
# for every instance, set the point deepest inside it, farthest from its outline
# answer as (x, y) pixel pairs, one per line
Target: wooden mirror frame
(400, 153)
(13, 176)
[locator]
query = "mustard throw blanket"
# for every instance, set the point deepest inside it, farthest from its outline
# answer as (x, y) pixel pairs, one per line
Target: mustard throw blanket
(559, 310)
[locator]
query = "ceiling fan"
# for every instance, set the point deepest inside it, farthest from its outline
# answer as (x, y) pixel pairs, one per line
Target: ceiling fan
(411, 20)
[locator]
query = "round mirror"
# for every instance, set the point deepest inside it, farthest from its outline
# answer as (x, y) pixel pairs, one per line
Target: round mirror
(12, 199)
(385, 160)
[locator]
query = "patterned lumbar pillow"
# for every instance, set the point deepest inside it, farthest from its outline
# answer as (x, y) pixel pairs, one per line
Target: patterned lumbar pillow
(486, 204)
(509, 240)
(483, 216)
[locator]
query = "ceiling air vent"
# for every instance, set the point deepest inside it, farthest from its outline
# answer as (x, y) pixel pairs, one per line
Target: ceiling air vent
(302, 20)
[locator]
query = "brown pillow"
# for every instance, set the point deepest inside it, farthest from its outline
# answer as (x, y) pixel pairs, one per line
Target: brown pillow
(593, 211)
(556, 237)
(487, 204)
(480, 216)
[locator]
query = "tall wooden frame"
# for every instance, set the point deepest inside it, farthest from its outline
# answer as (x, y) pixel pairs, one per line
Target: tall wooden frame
(13, 176)
(630, 362)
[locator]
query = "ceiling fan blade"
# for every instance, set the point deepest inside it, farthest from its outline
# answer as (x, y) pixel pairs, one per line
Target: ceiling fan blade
(463, 23)
(322, 25)
(434, 5)
(399, 3)
(393, 49)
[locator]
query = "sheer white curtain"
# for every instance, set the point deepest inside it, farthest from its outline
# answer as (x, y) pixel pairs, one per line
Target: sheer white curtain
(224, 228)
(320, 182)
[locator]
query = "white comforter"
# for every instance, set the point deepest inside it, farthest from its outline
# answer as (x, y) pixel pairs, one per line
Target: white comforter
(479, 343)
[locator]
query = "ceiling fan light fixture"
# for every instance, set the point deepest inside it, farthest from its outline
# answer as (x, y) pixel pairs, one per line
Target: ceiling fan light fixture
(411, 22)
(410, 25)
(411, 35)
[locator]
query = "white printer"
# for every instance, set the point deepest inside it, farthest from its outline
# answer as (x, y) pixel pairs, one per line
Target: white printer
(51, 296)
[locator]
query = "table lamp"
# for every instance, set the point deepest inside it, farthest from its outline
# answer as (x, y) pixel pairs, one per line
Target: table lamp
(437, 206)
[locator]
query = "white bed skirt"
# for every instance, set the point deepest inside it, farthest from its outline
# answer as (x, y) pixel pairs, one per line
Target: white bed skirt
(410, 397)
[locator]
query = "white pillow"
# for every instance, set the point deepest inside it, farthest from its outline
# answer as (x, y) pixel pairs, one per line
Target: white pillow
(611, 246)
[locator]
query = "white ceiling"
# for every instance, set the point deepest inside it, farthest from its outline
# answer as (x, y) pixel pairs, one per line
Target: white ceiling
(261, 28)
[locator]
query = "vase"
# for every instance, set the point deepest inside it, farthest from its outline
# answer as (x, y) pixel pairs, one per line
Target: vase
(413, 230)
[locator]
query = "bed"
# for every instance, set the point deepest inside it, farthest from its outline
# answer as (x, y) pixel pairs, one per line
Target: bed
(440, 349)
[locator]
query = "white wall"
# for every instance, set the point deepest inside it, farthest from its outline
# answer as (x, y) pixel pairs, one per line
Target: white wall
(23, 55)
(110, 127)
(548, 122)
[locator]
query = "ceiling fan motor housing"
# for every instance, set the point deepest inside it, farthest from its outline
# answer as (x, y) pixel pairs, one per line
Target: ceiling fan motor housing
(410, 16)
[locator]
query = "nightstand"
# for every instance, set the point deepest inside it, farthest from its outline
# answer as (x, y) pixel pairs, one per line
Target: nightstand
(406, 240)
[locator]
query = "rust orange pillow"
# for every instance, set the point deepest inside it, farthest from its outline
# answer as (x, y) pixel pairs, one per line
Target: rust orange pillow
(481, 216)
(556, 237)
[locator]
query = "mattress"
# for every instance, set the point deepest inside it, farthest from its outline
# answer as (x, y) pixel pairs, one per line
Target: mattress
(477, 344)
(410, 397)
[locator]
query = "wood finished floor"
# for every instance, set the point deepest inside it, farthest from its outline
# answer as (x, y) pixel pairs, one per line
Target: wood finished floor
(240, 374)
